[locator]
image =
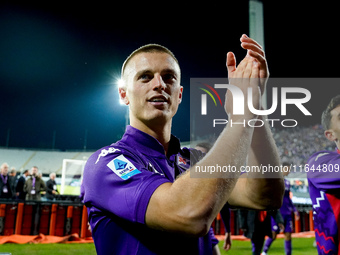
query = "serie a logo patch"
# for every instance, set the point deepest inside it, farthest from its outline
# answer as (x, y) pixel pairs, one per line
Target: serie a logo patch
(123, 167)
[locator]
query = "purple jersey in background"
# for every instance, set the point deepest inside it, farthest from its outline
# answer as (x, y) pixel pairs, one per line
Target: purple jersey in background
(287, 206)
(324, 190)
(118, 183)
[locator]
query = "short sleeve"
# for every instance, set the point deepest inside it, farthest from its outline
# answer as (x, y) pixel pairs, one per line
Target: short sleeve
(118, 182)
(323, 170)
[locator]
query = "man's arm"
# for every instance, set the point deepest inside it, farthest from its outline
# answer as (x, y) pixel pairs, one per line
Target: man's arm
(190, 205)
(258, 189)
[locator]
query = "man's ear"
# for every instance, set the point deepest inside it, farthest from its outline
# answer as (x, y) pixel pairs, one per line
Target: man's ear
(180, 94)
(330, 135)
(123, 96)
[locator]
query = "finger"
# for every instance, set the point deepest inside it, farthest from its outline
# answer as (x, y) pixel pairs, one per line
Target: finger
(253, 47)
(246, 39)
(231, 62)
(259, 57)
(264, 72)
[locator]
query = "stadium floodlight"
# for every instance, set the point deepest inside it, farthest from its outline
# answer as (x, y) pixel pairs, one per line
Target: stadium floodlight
(256, 30)
(120, 83)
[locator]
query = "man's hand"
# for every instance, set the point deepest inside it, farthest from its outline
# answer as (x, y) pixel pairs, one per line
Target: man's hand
(252, 72)
(281, 227)
(254, 51)
(227, 241)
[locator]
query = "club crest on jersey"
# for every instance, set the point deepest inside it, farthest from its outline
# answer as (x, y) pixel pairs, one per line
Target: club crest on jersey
(123, 167)
(181, 161)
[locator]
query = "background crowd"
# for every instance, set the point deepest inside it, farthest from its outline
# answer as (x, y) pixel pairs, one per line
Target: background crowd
(27, 186)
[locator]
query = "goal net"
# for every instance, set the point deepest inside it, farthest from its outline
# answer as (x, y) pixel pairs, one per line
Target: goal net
(71, 176)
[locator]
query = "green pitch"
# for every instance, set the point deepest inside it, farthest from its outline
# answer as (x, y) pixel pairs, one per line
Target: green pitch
(70, 190)
(43, 249)
(301, 246)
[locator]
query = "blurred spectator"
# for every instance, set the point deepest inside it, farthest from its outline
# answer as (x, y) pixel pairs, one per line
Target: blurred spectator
(51, 187)
(297, 144)
(13, 182)
(13, 172)
(5, 182)
(34, 185)
(20, 193)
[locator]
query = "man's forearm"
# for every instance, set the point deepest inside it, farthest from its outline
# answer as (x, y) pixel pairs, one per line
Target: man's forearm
(263, 153)
(190, 204)
(230, 149)
(263, 149)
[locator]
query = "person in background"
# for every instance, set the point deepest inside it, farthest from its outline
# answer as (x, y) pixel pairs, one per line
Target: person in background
(324, 184)
(13, 172)
(256, 225)
(20, 193)
(5, 182)
(225, 215)
(13, 181)
(34, 185)
(51, 188)
(286, 212)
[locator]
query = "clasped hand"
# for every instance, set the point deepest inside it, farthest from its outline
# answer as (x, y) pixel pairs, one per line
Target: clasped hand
(252, 72)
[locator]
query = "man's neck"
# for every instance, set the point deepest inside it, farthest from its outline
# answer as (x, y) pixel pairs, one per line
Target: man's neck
(162, 133)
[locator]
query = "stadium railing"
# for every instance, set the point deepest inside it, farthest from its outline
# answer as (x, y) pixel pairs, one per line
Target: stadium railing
(56, 218)
(66, 217)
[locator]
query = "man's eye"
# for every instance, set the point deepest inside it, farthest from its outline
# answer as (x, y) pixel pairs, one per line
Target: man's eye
(168, 77)
(145, 77)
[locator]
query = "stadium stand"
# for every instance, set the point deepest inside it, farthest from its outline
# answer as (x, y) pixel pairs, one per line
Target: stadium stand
(47, 161)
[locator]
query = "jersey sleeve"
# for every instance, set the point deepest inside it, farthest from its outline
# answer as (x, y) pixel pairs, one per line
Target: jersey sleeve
(118, 182)
(323, 170)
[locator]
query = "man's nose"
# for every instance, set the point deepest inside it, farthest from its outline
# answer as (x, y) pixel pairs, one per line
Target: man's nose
(158, 83)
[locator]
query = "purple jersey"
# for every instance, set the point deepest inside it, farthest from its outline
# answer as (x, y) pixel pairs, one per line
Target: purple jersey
(287, 206)
(324, 190)
(118, 183)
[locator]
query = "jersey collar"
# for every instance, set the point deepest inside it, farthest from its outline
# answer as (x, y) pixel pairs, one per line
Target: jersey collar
(147, 144)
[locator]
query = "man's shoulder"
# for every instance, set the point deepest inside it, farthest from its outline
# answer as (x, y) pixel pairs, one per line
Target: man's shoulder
(109, 151)
(323, 165)
(322, 157)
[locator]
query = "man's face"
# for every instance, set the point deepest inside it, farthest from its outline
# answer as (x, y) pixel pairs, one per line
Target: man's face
(4, 170)
(152, 88)
(333, 134)
(286, 171)
(34, 171)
